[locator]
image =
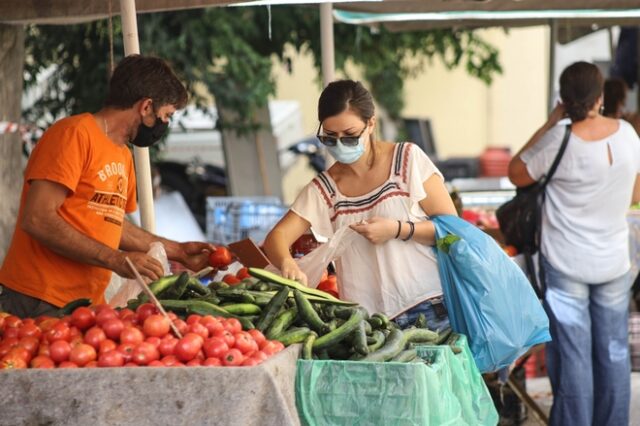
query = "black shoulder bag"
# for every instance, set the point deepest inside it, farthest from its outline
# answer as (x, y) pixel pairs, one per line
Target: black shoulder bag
(520, 218)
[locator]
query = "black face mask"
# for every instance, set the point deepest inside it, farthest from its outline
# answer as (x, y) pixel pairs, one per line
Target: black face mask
(147, 136)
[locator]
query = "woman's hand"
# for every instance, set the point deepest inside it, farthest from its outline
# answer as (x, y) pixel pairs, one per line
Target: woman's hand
(290, 269)
(377, 230)
(557, 114)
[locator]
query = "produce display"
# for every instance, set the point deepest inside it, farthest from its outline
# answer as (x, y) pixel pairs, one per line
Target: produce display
(288, 312)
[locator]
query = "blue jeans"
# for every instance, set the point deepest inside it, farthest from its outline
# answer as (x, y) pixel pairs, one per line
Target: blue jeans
(434, 311)
(588, 358)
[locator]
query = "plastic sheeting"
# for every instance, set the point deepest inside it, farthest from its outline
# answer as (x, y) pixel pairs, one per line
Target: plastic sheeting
(447, 391)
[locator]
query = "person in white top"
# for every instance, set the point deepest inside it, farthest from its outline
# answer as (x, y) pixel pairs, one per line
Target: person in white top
(585, 249)
(384, 191)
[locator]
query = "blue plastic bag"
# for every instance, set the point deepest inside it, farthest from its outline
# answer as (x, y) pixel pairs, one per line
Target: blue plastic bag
(488, 297)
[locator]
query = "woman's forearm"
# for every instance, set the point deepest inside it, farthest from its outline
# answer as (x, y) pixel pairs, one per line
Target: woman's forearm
(424, 232)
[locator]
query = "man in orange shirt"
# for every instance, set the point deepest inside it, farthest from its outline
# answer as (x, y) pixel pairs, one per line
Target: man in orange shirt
(71, 231)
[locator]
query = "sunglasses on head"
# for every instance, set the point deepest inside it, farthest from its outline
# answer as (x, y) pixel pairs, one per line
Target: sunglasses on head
(333, 140)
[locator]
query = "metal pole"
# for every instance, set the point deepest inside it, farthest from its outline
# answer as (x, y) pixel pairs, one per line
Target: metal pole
(327, 43)
(141, 155)
(553, 39)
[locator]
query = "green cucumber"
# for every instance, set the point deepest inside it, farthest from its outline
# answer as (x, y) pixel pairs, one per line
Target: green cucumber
(340, 333)
(375, 322)
(277, 279)
(309, 314)
(282, 322)
(294, 335)
(344, 312)
(271, 310)
(307, 346)
(421, 322)
(73, 305)
(236, 295)
(204, 308)
(194, 285)
(163, 283)
(243, 309)
(420, 335)
(385, 320)
(217, 285)
(378, 338)
(359, 340)
(394, 344)
(405, 356)
(175, 291)
(443, 335)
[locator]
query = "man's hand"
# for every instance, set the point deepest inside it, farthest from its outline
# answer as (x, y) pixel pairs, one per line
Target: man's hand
(146, 265)
(377, 230)
(193, 255)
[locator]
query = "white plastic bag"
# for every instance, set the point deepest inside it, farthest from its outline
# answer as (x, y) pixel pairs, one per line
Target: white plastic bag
(314, 264)
(130, 289)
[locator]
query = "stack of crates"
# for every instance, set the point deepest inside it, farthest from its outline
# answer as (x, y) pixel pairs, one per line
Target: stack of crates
(231, 219)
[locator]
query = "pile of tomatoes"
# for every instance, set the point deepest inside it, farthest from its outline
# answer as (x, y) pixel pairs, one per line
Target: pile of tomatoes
(100, 336)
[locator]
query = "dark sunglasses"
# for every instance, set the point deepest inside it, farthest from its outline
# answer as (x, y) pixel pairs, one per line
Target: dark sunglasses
(333, 140)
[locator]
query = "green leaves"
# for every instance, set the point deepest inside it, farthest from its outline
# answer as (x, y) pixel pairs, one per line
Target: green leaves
(444, 244)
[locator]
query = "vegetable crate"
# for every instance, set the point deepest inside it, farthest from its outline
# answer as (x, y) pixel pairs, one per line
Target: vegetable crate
(231, 219)
(445, 389)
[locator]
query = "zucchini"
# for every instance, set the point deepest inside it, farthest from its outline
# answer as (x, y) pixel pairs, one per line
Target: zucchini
(394, 344)
(367, 328)
(383, 318)
(175, 291)
(339, 334)
(236, 295)
(282, 322)
(307, 346)
(329, 312)
(308, 314)
(163, 283)
(243, 309)
(194, 285)
(73, 305)
(294, 335)
(405, 356)
(420, 335)
(359, 340)
(217, 285)
(378, 338)
(260, 286)
(271, 309)
(344, 312)
(376, 323)
(277, 279)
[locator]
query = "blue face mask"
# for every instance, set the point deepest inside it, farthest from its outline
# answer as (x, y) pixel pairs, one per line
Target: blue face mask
(347, 154)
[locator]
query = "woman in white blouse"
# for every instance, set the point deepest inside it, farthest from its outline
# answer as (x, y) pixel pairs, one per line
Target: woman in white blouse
(384, 191)
(585, 250)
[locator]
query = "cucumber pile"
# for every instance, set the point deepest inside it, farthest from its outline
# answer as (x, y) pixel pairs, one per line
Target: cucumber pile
(284, 310)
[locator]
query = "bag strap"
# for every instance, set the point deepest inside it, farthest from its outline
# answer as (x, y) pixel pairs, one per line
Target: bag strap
(556, 161)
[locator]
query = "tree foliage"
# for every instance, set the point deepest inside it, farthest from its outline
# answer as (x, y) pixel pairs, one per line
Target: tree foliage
(226, 52)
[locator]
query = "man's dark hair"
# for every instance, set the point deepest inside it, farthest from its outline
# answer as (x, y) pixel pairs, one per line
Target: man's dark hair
(137, 77)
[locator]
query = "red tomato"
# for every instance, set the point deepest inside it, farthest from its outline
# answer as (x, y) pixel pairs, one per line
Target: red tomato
(31, 344)
(131, 364)
(44, 349)
(47, 324)
(243, 273)
(329, 286)
(29, 330)
(212, 362)
(172, 316)
(83, 318)
(272, 347)
(245, 343)
(188, 347)
(112, 328)
(231, 279)
(212, 324)
(11, 333)
(232, 358)
(12, 321)
(126, 349)
(167, 345)
(131, 335)
(144, 353)
(156, 326)
(193, 318)
(74, 332)
(7, 345)
(232, 325)
(170, 361)
(156, 363)
(67, 364)
(42, 362)
(106, 346)
(257, 336)
(126, 313)
(220, 258)
(94, 336)
(198, 329)
(260, 356)
(144, 311)
(155, 341)
(59, 351)
(19, 352)
(250, 362)
(82, 354)
(105, 315)
(112, 358)
(227, 337)
(279, 345)
(91, 364)
(60, 331)
(194, 363)
(9, 363)
(101, 307)
(215, 347)
(76, 341)
(181, 326)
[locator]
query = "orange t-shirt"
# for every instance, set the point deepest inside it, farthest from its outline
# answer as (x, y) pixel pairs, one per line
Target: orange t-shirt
(100, 176)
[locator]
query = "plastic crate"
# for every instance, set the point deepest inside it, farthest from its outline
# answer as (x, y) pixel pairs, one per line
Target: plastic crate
(231, 219)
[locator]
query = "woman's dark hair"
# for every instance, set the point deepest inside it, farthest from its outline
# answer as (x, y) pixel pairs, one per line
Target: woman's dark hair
(341, 95)
(137, 77)
(580, 87)
(615, 94)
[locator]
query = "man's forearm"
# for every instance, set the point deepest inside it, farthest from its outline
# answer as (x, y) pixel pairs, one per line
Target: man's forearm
(135, 238)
